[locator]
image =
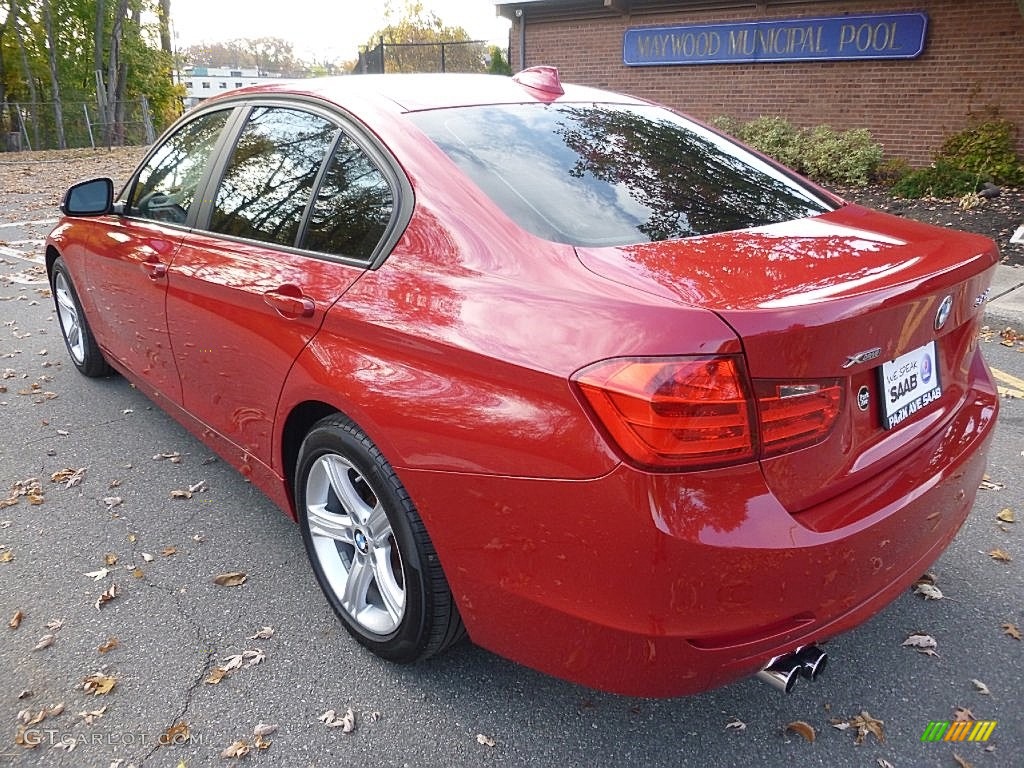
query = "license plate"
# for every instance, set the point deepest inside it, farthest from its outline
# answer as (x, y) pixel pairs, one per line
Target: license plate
(909, 384)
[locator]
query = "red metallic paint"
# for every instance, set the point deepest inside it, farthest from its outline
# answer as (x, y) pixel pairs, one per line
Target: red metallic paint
(455, 356)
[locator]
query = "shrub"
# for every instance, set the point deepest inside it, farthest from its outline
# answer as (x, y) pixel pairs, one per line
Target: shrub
(985, 150)
(847, 157)
(824, 154)
(776, 137)
(891, 170)
(942, 179)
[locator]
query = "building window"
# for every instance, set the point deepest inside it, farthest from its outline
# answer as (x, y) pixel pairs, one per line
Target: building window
(206, 85)
(222, 84)
(238, 85)
(188, 83)
(236, 73)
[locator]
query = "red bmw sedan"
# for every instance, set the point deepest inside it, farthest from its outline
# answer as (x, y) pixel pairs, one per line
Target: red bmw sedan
(553, 367)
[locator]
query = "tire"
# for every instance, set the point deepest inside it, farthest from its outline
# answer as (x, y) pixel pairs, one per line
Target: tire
(81, 344)
(368, 547)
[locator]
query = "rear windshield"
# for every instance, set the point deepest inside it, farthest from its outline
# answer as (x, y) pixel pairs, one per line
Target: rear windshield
(609, 174)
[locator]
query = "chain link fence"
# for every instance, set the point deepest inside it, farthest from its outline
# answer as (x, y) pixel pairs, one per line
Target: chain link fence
(459, 56)
(28, 126)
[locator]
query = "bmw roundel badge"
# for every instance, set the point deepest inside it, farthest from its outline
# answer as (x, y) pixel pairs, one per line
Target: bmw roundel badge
(942, 315)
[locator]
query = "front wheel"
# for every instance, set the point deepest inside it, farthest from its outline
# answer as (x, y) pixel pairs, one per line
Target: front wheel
(369, 548)
(85, 352)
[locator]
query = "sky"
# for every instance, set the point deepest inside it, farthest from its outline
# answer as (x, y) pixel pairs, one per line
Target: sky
(323, 31)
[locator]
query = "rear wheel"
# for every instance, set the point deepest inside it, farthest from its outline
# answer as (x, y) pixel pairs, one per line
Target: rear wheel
(369, 548)
(85, 352)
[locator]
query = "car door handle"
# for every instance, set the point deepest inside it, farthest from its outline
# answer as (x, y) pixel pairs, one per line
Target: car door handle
(288, 304)
(154, 269)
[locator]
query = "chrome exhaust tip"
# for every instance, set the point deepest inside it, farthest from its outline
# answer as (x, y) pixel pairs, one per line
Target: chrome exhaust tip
(782, 672)
(812, 660)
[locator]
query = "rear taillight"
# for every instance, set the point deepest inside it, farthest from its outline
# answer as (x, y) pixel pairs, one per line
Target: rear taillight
(794, 415)
(673, 413)
(690, 412)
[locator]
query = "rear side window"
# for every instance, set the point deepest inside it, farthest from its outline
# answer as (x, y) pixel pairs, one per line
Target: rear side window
(607, 174)
(267, 184)
(166, 185)
(353, 205)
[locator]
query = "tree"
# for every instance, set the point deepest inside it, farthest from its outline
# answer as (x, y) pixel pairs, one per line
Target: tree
(413, 41)
(267, 54)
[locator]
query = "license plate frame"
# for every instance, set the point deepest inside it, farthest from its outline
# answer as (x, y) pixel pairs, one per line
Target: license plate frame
(909, 384)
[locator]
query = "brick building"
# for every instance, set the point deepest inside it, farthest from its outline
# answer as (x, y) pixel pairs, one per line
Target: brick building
(971, 59)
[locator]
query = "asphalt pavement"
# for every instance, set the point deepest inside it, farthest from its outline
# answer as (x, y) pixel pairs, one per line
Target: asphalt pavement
(146, 700)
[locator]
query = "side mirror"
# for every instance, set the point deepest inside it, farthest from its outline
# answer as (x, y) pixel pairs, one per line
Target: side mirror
(89, 198)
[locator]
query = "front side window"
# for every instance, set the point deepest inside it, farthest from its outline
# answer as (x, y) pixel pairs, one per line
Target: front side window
(165, 188)
(269, 178)
(353, 205)
(608, 174)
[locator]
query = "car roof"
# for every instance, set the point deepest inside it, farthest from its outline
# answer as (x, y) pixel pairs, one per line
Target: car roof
(417, 92)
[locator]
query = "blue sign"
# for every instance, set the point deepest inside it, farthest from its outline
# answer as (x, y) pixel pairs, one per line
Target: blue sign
(834, 38)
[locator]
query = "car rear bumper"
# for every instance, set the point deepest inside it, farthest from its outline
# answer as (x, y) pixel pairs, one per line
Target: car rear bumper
(663, 585)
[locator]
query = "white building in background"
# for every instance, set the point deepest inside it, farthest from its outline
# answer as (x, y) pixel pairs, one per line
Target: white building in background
(203, 82)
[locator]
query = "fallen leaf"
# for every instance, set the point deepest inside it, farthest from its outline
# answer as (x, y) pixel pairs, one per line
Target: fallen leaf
(15, 621)
(988, 485)
(883, 763)
(962, 715)
(216, 676)
(346, 722)
(981, 687)
(54, 624)
(928, 591)
(107, 596)
(1000, 555)
(486, 741)
(232, 662)
(925, 644)
(114, 484)
(44, 642)
(264, 634)
(110, 559)
(69, 476)
(112, 501)
(1011, 630)
(803, 728)
(237, 749)
(109, 645)
(137, 573)
(1006, 515)
(178, 493)
(6, 556)
(170, 455)
(30, 742)
(169, 550)
(261, 743)
(263, 729)
(736, 724)
(231, 579)
(98, 684)
(92, 715)
(961, 762)
(176, 734)
(865, 724)
(98, 575)
(199, 487)
(147, 557)
(252, 658)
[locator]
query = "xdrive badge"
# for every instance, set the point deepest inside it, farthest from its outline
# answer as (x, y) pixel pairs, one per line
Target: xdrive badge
(862, 357)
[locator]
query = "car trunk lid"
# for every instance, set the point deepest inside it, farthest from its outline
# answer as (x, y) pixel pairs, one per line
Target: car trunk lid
(836, 297)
